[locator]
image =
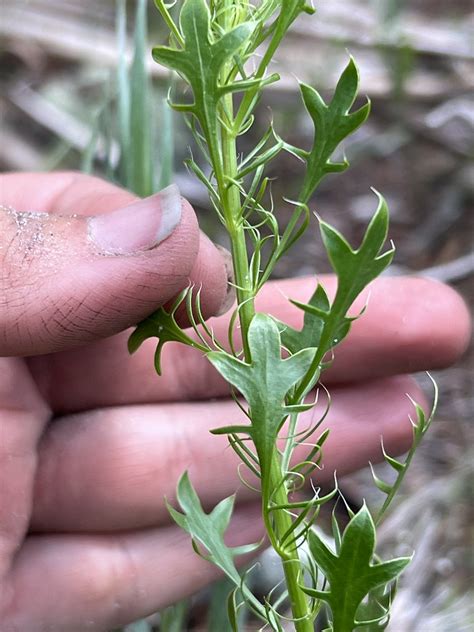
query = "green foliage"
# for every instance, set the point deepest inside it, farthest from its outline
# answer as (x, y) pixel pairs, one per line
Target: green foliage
(264, 382)
(212, 47)
(420, 428)
(332, 123)
(202, 58)
(131, 135)
(208, 530)
(200, 63)
(162, 325)
(375, 609)
(313, 326)
(138, 626)
(356, 268)
(317, 315)
(141, 150)
(351, 573)
(223, 607)
(173, 618)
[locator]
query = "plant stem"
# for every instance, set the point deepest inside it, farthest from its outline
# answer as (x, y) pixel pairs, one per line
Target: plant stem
(163, 9)
(327, 335)
(290, 558)
(249, 97)
(232, 212)
(230, 197)
(289, 555)
(291, 562)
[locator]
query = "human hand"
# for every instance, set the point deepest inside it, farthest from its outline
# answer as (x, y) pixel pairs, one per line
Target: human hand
(91, 440)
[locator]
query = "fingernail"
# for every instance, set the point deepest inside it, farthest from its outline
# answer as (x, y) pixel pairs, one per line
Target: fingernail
(230, 296)
(139, 226)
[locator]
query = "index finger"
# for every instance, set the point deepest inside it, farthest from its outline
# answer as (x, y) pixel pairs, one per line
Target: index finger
(407, 327)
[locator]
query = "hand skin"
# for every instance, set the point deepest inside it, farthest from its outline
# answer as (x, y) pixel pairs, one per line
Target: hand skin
(91, 440)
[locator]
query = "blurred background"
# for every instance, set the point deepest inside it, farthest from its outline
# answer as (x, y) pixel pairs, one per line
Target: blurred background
(59, 107)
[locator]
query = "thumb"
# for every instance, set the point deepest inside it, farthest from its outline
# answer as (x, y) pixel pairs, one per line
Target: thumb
(69, 279)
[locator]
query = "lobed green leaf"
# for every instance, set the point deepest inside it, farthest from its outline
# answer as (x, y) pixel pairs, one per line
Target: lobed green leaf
(208, 530)
(264, 383)
(351, 573)
(355, 269)
(332, 123)
(201, 60)
(420, 427)
(162, 325)
(314, 320)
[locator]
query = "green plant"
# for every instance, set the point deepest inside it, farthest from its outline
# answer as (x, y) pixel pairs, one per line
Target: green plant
(133, 148)
(210, 48)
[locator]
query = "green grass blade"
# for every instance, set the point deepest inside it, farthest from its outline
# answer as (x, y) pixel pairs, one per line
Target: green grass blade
(123, 96)
(140, 151)
(165, 146)
(174, 618)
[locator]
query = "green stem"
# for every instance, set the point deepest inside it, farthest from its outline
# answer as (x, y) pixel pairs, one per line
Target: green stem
(162, 8)
(338, 311)
(283, 22)
(292, 567)
(249, 97)
(231, 203)
(226, 173)
(419, 432)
